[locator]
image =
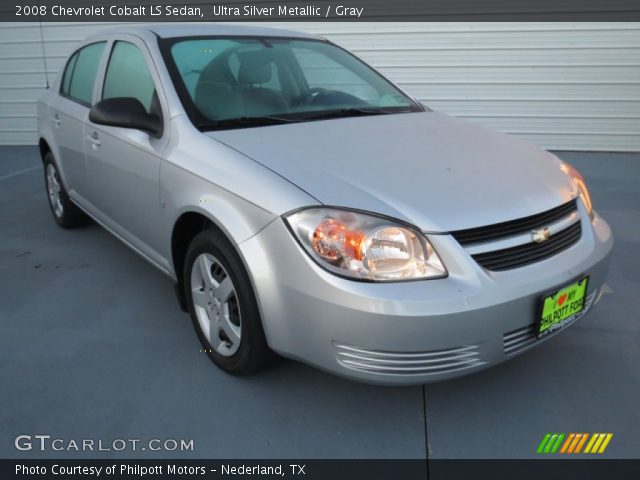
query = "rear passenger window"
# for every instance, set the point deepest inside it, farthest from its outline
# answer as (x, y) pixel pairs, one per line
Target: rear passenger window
(80, 73)
(68, 73)
(128, 76)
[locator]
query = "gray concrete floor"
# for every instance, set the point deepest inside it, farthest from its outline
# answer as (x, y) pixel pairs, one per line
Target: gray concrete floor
(93, 345)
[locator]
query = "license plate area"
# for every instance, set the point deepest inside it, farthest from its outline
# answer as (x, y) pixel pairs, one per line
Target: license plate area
(562, 306)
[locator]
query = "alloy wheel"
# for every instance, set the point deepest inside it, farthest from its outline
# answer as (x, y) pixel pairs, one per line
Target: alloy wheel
(216, 304)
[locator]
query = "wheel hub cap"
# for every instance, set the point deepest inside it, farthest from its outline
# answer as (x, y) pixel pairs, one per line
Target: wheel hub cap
(216, 304)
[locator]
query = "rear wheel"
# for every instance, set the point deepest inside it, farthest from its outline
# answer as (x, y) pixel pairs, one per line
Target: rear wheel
(222, 305)
(65, 212)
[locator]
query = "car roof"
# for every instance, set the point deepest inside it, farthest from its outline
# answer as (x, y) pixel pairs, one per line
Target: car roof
(169, 30)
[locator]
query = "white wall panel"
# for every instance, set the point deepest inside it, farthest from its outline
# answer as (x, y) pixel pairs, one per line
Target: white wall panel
(565, 86)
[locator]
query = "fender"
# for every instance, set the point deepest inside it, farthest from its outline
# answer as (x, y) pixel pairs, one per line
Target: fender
(204, 184)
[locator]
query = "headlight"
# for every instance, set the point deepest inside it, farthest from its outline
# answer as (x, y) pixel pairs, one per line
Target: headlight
(365, 246)
(578, 179)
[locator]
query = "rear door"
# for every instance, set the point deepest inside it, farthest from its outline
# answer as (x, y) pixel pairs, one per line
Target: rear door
(123, 165)
(69, 111)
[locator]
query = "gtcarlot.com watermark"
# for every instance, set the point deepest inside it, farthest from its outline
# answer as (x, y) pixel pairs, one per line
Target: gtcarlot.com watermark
(44, 443)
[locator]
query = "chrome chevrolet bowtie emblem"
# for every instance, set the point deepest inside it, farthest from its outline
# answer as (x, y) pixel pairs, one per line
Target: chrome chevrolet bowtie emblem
(540, 235)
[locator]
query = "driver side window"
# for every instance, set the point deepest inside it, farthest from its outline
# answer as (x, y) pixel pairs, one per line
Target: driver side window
(128, 76)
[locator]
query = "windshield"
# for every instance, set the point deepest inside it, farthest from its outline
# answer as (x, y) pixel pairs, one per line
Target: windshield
(237, 82)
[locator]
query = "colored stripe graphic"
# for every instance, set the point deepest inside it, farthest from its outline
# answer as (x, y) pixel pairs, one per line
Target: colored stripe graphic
(605, 443)
(584, 439)
(598, 443)
(577, 443)
(556, 445)
(592, 440)
(551, 442)
(567, 442)
(543, 443)
(572, 443)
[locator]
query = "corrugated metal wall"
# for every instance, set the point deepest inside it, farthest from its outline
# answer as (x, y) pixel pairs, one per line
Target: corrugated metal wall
(571, 86)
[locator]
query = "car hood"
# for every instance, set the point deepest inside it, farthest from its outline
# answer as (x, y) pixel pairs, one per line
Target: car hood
(429, 169)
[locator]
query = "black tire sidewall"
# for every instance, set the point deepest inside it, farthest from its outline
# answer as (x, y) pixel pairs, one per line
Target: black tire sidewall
(71, 216)
(253, 352)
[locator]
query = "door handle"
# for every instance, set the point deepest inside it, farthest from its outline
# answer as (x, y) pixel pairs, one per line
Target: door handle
(56, 119)
(94, 139)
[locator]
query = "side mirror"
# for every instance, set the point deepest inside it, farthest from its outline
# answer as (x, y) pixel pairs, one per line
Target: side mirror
(125, 112)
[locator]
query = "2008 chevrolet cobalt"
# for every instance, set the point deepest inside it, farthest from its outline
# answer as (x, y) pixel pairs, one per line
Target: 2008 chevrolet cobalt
(305, 205)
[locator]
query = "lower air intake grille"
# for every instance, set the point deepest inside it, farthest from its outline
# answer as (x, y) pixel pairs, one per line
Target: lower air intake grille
(414, 363)
(524, 337)
(530, 252)
(519, 339)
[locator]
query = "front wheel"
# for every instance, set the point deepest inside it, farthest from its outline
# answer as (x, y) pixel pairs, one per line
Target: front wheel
(222, 305)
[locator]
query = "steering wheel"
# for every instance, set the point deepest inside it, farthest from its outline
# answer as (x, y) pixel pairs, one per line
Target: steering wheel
(308, 97)
(191, 72)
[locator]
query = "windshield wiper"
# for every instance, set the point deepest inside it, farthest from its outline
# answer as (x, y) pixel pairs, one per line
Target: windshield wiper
(244, 122)
(295, 118)
(349, 112)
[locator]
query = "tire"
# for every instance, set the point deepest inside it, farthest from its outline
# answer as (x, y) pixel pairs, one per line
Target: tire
(64, 211)
(222, 305)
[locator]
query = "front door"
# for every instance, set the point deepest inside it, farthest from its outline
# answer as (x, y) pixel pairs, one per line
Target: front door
(123, 165)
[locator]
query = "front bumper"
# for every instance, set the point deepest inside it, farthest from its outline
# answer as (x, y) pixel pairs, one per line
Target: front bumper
(411, 332)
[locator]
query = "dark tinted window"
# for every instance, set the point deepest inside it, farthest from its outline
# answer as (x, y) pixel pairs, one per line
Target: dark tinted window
(68, 73)
(128, 76)
(83, 74)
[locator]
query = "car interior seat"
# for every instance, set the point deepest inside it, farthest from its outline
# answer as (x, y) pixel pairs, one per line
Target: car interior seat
(255, 70)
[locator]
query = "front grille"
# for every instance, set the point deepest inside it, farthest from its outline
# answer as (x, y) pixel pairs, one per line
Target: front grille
(521, 255)
(513, 227)
(412, 363)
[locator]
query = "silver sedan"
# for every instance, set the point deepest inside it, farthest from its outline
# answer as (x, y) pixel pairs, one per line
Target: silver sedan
(305, 205)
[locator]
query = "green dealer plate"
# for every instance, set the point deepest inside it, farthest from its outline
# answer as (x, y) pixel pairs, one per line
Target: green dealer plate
(562, 307)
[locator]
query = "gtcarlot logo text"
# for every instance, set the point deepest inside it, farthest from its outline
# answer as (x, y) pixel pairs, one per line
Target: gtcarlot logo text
(45, 443)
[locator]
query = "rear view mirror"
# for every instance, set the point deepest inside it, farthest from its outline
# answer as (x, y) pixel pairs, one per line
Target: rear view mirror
(125, 112)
